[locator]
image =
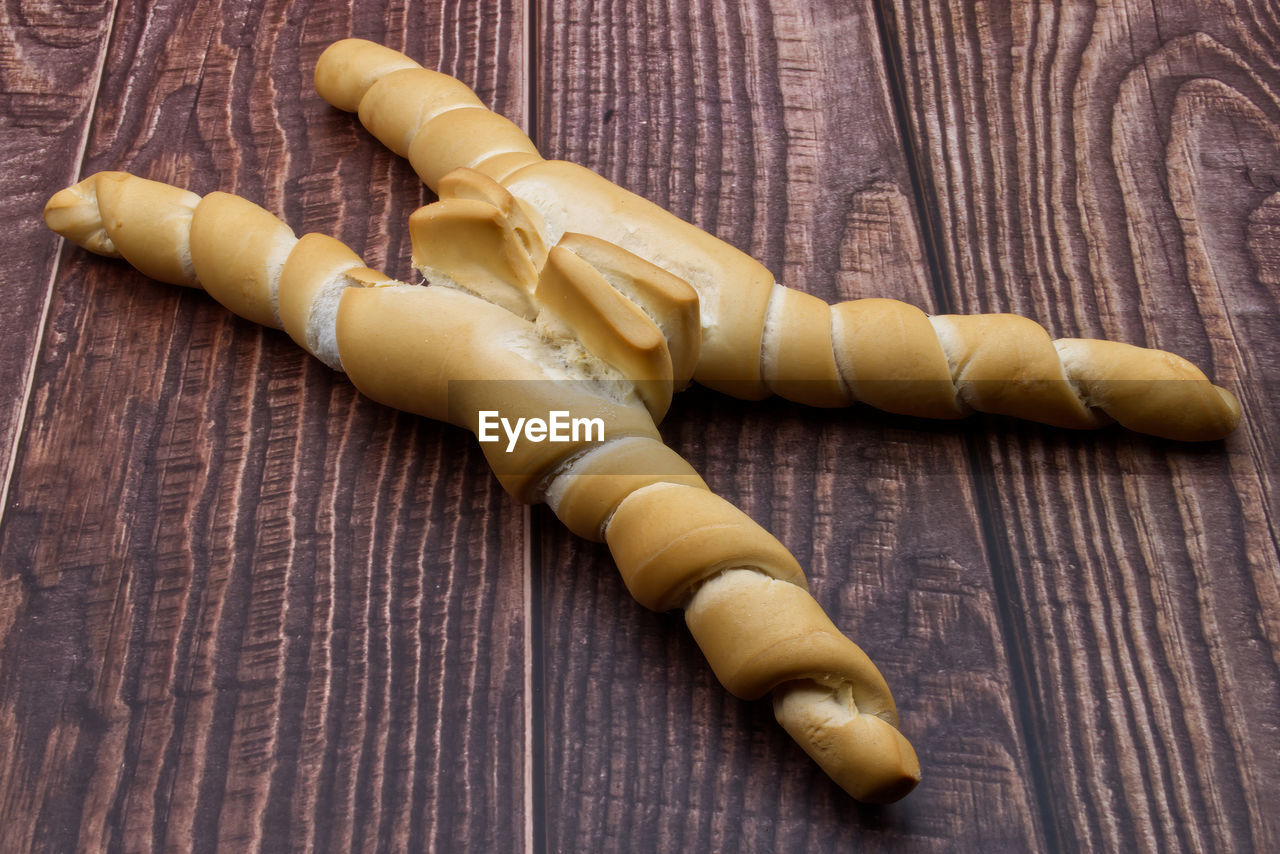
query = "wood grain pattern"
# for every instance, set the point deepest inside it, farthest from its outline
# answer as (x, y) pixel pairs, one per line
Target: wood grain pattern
(254, 610)
(242, 607)
(50, 66)
(1106, 170)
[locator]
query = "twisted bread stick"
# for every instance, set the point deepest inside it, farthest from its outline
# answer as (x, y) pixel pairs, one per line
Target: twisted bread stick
(760, 337)
(446, 353)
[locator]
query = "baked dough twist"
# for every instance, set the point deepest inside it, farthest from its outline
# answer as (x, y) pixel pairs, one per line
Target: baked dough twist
(513, 325)
(759, 337)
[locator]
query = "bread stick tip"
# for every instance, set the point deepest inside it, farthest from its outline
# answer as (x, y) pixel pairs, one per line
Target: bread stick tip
(73, 213)
(348, 67)
(865, 754)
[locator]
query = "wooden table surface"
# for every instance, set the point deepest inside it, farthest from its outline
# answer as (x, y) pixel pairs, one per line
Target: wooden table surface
(243, 608)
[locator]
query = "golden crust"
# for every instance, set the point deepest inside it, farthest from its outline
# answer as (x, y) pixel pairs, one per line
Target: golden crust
(1150, 391)
(396, 106)
(667, 299)
(1007, 365)
(668, 538)
(475, 247)
(733, 288)
(609, 325)
(866, 755)
(585, 496)
(347, 69)
(475, 138)
(758, 632)
(891, 359)
(123, 216)
(238, 250)
(315, 260)
(398, 351)
(799, 358)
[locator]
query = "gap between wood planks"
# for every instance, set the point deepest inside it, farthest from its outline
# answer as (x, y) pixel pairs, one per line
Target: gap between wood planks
(1004, 584)
(28, 384)
(535, 821)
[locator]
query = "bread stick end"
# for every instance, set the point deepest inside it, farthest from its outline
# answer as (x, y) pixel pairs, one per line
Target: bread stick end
(864, 754)
(74, 214)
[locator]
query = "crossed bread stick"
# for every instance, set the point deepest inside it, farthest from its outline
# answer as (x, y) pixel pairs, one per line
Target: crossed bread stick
(759, 337)
(517, 326)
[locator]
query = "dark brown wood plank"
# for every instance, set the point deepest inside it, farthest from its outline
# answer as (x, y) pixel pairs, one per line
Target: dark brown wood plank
(771, 125)
(1110, 171)
(50, 64)
(243, 606)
